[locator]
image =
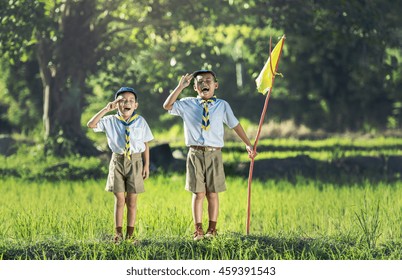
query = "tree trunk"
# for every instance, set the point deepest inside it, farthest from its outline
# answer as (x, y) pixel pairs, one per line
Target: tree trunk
(64, 66)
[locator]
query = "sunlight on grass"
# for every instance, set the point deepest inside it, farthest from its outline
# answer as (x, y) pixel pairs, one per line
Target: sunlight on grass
(71, 212)
(55, 209)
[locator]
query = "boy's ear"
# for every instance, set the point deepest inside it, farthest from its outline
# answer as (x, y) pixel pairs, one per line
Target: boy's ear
(216, 85)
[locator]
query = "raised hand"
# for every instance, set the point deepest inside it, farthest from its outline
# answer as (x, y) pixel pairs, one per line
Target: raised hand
(113, 105)
(185, 80)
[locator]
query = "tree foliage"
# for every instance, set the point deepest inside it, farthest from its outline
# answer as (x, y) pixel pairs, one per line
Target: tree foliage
(341, 59)
(343, 62)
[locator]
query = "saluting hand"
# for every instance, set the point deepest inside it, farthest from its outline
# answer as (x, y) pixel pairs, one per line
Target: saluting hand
(185, 80)
(113, 105)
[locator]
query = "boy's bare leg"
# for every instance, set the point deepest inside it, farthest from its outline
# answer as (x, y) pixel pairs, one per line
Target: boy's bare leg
(198, 200)
(119, 202)
(213, 206)
(197, 205)
(118, 214)
(131, 201)
(213, 211)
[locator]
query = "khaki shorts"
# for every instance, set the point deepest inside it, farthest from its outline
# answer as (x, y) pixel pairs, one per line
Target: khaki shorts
(125, 175)
(205, 171)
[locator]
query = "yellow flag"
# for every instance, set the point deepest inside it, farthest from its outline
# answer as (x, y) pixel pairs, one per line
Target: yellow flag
(265, 79)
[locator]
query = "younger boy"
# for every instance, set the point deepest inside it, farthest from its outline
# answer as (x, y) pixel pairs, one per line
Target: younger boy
(203, 118)
(128, 135)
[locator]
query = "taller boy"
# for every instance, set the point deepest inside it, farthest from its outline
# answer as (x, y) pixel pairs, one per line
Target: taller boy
(203, 118)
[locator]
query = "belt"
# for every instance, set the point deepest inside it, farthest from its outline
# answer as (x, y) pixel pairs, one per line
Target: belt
(205, 148)
(133, 155)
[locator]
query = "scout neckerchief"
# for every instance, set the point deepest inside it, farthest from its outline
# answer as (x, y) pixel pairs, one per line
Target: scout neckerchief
(134, 116)
(205, 123)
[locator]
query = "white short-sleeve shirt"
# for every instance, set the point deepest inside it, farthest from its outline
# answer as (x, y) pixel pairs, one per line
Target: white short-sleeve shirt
(190, 109)
(140, 133)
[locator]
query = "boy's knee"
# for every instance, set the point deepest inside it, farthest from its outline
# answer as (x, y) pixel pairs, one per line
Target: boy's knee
(200, 195)
(120, 202)
(131, 200)
(212, 195)
(131, 207)
(131, 204)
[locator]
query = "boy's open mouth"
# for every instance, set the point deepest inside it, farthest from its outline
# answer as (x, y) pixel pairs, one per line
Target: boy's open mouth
(126, 109)
(205, 89)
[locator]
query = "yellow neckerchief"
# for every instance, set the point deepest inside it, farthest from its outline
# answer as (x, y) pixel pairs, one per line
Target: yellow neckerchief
(205, 122)
(134, 116)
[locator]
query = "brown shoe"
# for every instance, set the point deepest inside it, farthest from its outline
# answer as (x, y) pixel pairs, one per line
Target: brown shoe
(117, 238)
(211, 233)
(198, 234)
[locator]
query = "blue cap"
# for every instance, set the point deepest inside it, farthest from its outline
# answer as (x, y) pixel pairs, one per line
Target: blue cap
(125, 89)
(204, 71)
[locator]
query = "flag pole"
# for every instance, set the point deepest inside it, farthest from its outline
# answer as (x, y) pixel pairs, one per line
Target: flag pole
(263, 113)
(250, 173)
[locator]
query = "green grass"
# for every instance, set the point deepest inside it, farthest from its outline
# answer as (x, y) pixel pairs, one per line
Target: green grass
(54, 208)
(290, 220)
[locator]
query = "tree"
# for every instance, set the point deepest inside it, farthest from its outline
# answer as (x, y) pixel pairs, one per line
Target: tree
(64, 45)
(341, 59)
(342, 68)
(70, 40)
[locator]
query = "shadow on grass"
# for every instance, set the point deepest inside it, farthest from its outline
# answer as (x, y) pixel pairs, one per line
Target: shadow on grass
(230, 246)
(343, 170)
(349, 169)
(340, 170)
(334, 148)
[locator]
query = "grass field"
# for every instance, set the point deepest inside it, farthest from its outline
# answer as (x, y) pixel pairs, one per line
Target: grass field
(306, 220)
(301, 218)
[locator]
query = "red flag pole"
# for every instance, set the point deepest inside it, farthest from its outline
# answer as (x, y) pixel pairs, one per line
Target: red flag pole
(257, 137)
(250, 173)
